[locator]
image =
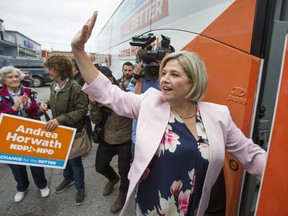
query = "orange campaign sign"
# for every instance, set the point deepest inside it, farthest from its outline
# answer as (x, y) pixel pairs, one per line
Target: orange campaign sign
(26, 142)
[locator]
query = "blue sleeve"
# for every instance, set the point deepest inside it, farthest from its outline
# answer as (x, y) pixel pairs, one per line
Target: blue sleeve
(130, 87)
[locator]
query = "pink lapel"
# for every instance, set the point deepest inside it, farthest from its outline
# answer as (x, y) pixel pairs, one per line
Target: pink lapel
(151, 125)
(211, 115)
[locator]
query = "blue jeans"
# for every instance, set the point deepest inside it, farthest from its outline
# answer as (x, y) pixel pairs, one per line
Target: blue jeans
(74, 170)
(21, 176)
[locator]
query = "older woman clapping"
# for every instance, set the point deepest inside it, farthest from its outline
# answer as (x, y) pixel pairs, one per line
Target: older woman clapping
(22, 101)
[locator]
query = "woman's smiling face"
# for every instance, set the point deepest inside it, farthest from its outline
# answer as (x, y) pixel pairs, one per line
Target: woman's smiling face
(53, 74)
(174, 82)
(12, 80)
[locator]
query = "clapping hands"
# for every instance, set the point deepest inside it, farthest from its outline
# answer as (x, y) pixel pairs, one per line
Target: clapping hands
(20, 102)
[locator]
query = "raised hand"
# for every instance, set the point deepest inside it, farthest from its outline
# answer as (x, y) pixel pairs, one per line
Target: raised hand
(84, 34)
(87, 69)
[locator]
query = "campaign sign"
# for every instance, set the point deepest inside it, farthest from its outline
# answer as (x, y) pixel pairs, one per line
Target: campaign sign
(26, 142)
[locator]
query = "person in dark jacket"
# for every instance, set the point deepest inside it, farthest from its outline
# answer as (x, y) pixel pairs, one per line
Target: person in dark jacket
(69, 105)
(76, 73)
(117, 141)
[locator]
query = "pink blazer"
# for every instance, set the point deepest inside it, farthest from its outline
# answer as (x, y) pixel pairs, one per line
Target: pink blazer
(153, 114)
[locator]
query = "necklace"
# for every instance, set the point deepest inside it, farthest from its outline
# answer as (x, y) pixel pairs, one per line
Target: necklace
(188, 117)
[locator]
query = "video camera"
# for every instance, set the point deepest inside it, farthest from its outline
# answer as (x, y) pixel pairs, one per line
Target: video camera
(151, 58)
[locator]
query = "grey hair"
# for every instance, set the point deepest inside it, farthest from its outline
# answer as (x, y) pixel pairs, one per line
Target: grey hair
(7, 70)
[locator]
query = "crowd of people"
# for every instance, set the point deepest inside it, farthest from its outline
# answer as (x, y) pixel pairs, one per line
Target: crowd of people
(169, 142)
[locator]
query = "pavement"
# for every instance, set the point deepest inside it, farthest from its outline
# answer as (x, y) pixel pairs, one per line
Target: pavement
(62, 204)
(59, 204)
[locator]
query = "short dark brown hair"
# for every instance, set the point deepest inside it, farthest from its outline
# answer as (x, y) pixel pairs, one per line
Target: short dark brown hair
(60, 63)
(128, 64)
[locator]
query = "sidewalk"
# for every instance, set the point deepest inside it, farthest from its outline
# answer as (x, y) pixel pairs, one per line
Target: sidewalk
(59, 204)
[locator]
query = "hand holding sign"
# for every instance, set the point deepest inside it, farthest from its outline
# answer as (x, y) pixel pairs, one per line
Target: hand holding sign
(51, 124)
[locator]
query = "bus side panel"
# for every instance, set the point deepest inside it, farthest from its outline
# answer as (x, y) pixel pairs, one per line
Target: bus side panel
(229, 22)
(232, 78)
(235, 25)
(274, 190)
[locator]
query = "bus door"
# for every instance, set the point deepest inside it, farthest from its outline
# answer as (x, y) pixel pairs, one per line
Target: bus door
(272, 107)
(274, 188)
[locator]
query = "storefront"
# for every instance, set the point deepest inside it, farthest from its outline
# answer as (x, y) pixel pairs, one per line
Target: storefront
(26, 46)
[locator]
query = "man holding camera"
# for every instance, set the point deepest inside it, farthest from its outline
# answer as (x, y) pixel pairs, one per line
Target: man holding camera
(146, 73)
(139, 85)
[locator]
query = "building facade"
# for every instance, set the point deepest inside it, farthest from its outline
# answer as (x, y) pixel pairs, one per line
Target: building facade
(15, 44)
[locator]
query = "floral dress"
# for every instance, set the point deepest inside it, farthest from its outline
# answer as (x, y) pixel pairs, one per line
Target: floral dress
(172, 183)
